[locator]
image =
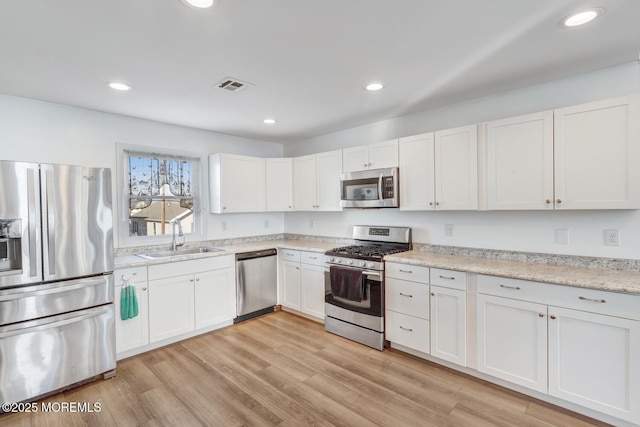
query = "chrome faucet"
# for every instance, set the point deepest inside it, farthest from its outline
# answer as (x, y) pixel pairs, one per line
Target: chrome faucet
(174, 244)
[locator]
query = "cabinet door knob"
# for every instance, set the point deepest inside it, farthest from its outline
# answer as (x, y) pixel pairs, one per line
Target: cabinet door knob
(437, 203)
(540, 314)
(191, 280)
(144, 289)
(197, 279)
(548, 201)
(553, 317)
(558, 201)
(430, 203)
(433, 294)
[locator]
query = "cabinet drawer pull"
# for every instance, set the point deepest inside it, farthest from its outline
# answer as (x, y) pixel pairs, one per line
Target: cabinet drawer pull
(406, 295)
(446, 277)
(591, 299)
(517, 288)
(313, 257)
(406, 329)
(289, 254)
(406, 271)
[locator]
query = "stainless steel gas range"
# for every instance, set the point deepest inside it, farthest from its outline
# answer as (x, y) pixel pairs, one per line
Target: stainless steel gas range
(354, 283)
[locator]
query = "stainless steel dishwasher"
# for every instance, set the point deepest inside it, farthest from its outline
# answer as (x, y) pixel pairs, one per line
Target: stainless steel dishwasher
(256, 283)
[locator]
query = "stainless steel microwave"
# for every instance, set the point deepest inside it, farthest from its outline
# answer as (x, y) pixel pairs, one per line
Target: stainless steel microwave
(374, 188)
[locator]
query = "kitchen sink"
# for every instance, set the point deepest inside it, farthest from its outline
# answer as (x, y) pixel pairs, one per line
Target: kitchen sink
(167, 254)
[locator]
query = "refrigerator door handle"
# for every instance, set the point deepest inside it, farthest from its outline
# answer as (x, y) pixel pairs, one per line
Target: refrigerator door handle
(51, 221)
(32, 229)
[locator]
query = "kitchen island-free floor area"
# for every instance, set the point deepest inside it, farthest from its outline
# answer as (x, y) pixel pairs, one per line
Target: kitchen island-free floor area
(284, 370)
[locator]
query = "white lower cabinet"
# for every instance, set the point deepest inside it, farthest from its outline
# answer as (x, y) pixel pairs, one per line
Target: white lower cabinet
(512, 341)
(215, 297)
(426, 310)
(302, 282)
(312, 289)
(585, 342)
(407, 306)
(594, 361)
(171, 307)
(449, 324)
(290, 278)
(133, 332)
(189, 295)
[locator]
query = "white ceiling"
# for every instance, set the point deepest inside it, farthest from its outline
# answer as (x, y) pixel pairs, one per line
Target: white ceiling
(309, 60)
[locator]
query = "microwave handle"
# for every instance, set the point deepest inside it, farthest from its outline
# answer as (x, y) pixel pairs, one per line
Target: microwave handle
(380, 195)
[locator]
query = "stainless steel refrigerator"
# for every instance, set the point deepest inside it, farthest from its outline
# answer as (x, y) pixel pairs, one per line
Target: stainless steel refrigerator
(56, 277)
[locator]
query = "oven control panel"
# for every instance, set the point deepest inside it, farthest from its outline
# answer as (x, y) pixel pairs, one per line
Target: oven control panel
(356, 263)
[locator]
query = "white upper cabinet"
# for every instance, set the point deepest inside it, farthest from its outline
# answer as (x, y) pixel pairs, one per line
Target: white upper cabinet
(373, 156)
(597, 153)
(520, 162)
(439, 171)
(417, 175)
(236, 183)
(316, 182)
(279, 184)
(579, 157)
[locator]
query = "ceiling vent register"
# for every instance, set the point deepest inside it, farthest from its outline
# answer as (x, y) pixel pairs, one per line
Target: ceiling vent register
(233, 85)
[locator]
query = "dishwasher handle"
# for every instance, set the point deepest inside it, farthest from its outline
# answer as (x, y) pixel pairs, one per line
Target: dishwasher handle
(256, 254)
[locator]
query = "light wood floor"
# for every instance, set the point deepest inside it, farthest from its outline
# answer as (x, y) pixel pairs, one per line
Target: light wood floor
(285, 370)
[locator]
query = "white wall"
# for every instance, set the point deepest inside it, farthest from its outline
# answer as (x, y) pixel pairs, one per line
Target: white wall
(37, 131)
(522, 231)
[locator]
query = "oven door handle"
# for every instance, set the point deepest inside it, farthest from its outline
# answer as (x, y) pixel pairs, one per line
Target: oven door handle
(380, 195)
(376, 274)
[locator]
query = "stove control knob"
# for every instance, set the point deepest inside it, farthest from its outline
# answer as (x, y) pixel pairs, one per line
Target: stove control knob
(331, 259)
(361, 263)
(369, 265)
(338, 260)
(350, 262)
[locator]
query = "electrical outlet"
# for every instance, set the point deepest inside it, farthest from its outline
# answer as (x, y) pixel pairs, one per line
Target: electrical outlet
(562, 236)
(612, 237)
(448, 230)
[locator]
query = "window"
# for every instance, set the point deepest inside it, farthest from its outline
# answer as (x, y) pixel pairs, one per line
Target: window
(160, 191)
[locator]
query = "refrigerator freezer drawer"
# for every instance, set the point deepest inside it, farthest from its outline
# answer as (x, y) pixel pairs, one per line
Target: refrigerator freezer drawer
(32, 302)
(48, 354)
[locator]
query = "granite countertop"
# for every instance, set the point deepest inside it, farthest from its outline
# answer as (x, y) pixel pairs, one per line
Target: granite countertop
(126, 261)
(588, 273)
(623, 281)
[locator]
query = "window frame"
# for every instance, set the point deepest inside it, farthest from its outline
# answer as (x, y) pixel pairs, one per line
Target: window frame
(198, 171)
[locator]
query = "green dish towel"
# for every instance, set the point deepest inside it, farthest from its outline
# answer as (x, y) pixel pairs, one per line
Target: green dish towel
(128, 301)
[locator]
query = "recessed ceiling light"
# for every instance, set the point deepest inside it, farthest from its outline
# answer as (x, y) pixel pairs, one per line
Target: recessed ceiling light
(580, 18)
(119, 86)
(200, 4)
(374, 86)
(269, 121)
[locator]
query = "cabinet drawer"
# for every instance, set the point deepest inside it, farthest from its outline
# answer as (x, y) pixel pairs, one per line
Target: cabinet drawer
(414, 273)
(407, 330)
(590, 300)
(407, 297)
(315, 258)
(595, 301)
(289, 255)
(137, 275)
(513, 288)
(449, 278)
